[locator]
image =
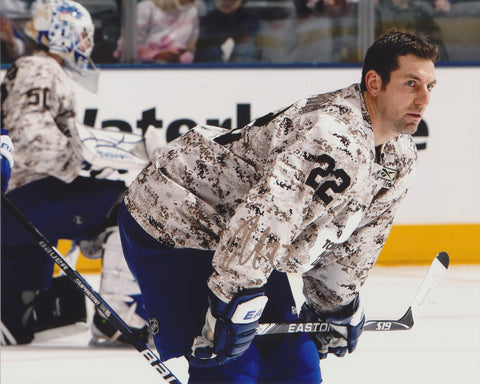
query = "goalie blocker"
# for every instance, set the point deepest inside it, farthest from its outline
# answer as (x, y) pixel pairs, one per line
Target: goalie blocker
(103, 148)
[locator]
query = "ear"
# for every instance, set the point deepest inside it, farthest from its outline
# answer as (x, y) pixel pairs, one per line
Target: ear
(373, 81)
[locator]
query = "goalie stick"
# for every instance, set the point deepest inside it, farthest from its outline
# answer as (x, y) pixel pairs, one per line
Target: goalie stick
(433, 277)
(98, 301)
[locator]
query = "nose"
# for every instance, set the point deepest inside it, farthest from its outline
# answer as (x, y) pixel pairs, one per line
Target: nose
(423, 97)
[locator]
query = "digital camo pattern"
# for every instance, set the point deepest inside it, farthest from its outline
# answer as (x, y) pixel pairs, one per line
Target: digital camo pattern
(38, 109)
(298, 190)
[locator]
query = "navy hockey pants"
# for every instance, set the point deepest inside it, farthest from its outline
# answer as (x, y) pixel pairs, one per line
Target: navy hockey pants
(174, 288)
(75, 211)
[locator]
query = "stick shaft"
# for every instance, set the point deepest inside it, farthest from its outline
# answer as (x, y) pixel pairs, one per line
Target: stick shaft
(82, 284)
(433, 277)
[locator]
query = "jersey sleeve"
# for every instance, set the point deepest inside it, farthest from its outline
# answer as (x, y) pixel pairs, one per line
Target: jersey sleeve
(334, 282)
(340, 273)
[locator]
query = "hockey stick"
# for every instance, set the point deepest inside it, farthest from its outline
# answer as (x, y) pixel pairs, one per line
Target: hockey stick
(433, 277)
(98, 301)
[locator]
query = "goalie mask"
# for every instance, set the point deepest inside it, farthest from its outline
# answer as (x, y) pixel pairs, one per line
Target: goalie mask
(64, 27)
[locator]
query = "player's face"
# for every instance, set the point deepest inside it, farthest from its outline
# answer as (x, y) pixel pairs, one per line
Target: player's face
(402, 102)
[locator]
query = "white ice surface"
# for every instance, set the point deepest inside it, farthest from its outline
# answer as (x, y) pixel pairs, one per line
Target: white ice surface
(443, 346)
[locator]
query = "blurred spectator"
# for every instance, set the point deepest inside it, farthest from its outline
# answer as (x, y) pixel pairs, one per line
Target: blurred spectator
(465, 8)
(411, 15)
(326, 31)
(404, 14)
(305, 8)
(13, 43)
(312, 30)
(441, 6)
(108, 25)
(227, 34)
(277, 37)
(454, 7)
(460, 30)
(14, 16)
(167, 31)
(20, 9)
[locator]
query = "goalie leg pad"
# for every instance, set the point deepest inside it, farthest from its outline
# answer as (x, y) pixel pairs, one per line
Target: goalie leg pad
(105, 333)
(121, 291)
(116, 277)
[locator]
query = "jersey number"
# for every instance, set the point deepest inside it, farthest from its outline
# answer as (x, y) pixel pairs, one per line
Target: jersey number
(341, 182)
(38, 96)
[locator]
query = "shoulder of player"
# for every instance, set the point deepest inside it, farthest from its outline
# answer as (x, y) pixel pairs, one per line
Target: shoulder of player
(340, 102)
(340, 110)
(403, 148)
(352, 140)
(401, 154)
(40, 64)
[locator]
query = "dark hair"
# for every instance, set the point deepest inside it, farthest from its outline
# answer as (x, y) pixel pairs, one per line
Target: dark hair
(382, 56)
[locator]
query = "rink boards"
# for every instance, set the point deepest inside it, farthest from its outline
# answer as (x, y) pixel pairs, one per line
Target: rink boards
(406, 245)
(441, 211)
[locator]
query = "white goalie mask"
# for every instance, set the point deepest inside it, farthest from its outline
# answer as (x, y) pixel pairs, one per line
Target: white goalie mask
(64, 27)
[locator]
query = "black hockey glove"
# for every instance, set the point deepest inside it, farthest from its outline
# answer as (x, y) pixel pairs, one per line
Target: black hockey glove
(347, 327)
(229, 328)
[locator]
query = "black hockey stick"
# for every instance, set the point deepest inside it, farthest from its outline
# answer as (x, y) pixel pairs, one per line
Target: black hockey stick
(433, 277)
(98, 301)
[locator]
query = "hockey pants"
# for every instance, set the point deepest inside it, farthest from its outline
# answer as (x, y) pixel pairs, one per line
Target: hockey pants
(74, 211)
(174, 288)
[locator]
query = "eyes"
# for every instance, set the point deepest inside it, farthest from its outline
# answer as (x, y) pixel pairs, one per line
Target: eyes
(416, 84)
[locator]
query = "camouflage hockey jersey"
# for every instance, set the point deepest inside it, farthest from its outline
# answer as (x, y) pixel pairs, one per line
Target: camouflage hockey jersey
(302, 189)
(38, 109)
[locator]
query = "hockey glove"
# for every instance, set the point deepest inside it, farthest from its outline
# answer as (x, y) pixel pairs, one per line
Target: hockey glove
(7, 159)
(229, 328)
(347, 327)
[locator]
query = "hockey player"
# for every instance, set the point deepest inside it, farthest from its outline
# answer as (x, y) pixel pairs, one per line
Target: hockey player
(311, 188)
(38, 109)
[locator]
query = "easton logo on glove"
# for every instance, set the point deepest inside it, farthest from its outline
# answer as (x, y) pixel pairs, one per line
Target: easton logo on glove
(249, 311)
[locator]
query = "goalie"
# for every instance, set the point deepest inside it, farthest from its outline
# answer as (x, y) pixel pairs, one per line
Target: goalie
(38, 109)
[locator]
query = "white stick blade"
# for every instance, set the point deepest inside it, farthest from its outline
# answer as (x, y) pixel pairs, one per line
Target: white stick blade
(432, 279)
